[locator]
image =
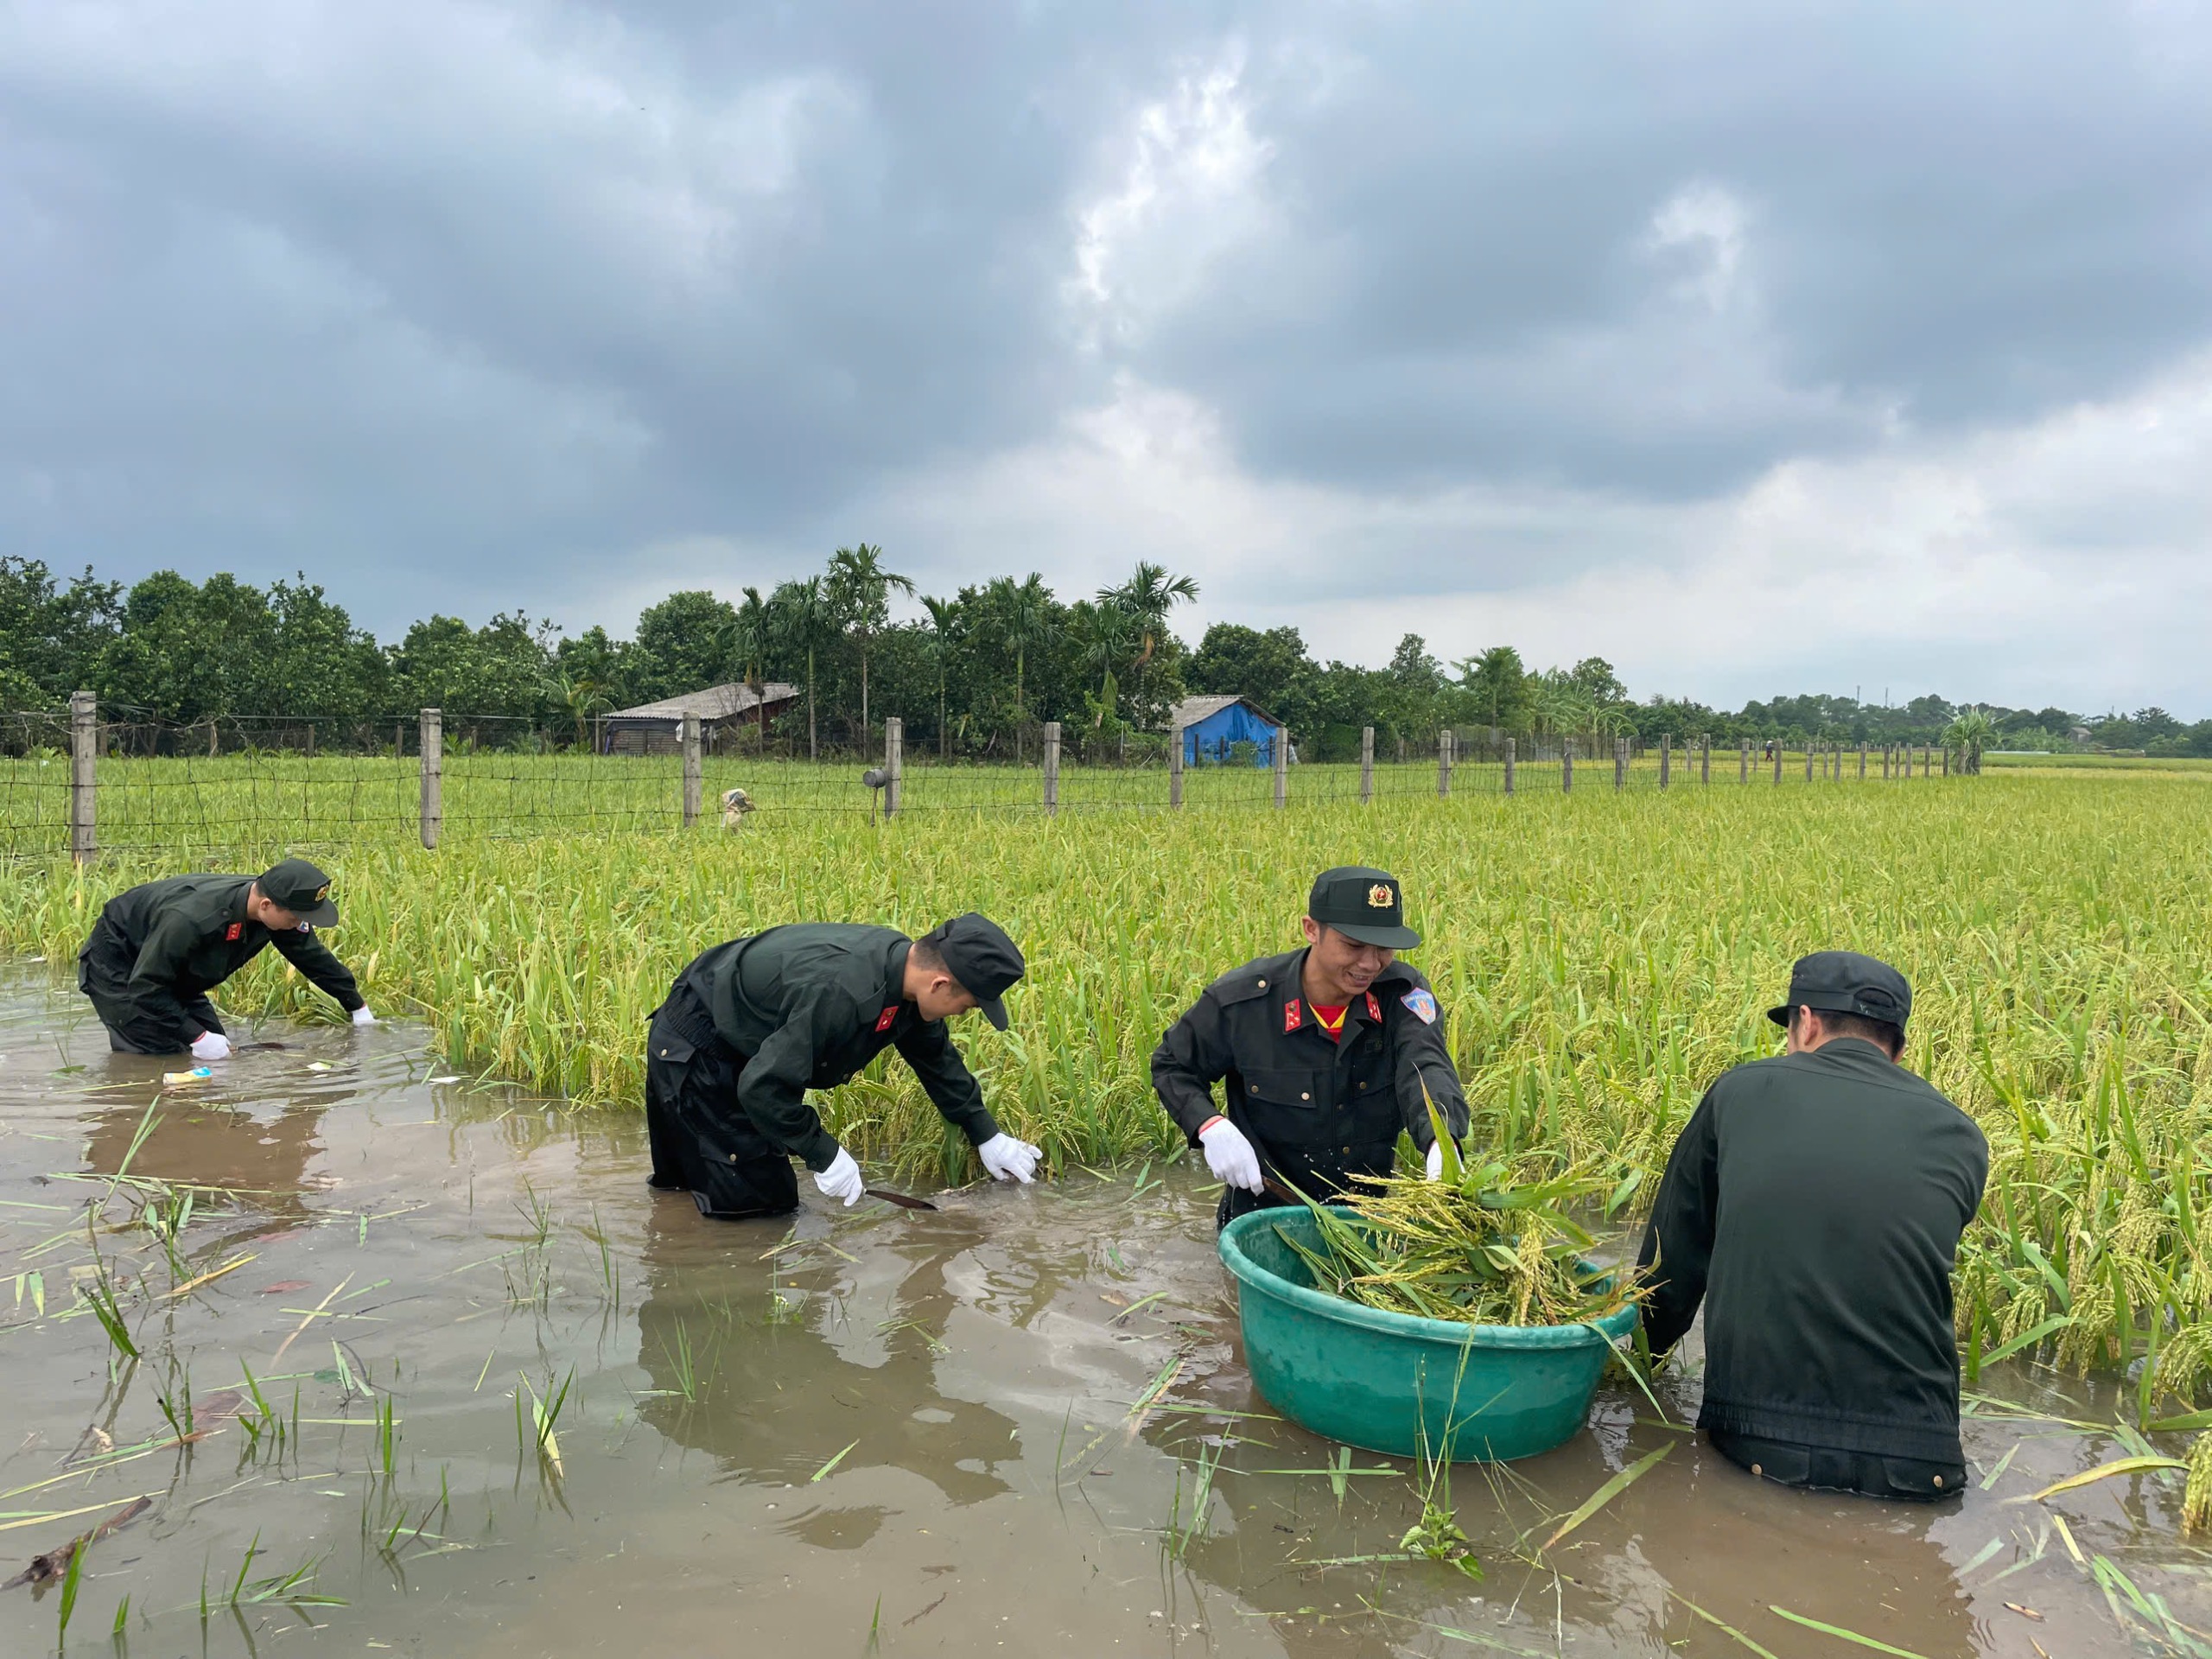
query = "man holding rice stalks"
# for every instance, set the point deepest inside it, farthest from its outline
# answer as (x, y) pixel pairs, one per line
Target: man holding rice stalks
(751, 1025)
(1814, 1205)
(1327, 1053)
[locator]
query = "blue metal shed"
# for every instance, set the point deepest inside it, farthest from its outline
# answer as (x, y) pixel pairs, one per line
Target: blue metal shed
(1213, 726)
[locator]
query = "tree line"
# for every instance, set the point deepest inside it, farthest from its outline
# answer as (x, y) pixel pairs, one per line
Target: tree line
(973, 675)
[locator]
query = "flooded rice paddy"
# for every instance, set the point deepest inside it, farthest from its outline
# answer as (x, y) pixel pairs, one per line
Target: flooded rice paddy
(450, 1380)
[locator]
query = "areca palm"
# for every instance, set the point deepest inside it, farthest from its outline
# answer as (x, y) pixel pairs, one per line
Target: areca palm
(1148, 595)
(945, 618)
(748, 640)
(1025, 615)
(860, 591)
(802, 619)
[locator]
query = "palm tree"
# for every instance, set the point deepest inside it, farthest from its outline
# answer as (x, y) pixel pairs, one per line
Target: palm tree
(1025, 615)
(1148, 595)
(748, 639)
(584, 696)
(1968, 735)
(944, 618)
(859, 593)
(1103, 634)
(803, 619)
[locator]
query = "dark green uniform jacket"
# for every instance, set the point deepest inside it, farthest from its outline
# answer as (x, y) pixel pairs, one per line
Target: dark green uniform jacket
(1319, 1110)
(808, 1005)
(159, 947)
(1815, 1203)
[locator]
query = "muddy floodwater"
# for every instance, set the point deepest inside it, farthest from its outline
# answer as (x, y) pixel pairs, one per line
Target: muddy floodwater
(1020, 1424)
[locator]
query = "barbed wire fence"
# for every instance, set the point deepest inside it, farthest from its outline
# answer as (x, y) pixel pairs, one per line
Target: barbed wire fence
(95, 779)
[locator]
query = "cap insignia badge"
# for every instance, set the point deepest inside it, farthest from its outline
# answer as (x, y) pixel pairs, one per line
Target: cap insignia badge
(1379, 897)
(322, 892)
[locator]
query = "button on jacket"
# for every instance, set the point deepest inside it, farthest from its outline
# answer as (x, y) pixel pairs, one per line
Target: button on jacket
(808, 1005)
(165, 943)
(1319, 1110)
(1815, 1203)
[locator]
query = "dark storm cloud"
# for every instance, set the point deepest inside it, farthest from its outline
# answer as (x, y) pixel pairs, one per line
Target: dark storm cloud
(494, 296)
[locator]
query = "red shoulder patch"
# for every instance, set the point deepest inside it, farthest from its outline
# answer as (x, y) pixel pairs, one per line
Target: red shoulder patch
(1373, 1008)
(234, 932)
(1292, 1015)
(884, 1020)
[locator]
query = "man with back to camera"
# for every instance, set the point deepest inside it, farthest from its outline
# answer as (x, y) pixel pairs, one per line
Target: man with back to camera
(159, 948)
(1814, 1205)
(1325, 1051)
(749, 1027)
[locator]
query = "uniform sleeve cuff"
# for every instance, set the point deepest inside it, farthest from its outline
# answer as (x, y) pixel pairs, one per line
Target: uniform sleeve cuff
(819, 1151)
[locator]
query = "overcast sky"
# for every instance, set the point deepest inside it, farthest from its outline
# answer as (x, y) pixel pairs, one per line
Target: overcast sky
(1756, 347)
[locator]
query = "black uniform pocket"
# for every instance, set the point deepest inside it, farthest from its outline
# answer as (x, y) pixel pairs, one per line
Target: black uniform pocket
(1288, 1104)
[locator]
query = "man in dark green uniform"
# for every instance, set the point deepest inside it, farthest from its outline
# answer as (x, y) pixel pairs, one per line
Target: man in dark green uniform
(158, 949)
(1325, 1052)
(1814, 1205)
(751, 1025)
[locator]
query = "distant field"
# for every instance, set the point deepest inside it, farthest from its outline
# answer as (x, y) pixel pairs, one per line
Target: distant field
(2095, 763)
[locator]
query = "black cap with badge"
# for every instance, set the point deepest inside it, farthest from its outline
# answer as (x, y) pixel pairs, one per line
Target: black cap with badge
(1843, 982)
(987, 963)
(298, 887)
(1362, 903)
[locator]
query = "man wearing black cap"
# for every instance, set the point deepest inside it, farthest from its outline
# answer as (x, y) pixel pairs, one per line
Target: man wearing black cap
(157, 950)
(751, 1025)
(1814, 1206)
(1327, 1053)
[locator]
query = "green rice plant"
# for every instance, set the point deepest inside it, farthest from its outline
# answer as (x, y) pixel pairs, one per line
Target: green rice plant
(1181, 1535)
(1487, 1245)
(69, 1581)
(536, 1433)
(1598, 959)
(99, 1296)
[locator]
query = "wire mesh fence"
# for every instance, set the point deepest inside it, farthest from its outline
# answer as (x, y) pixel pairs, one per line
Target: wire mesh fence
(89, 778)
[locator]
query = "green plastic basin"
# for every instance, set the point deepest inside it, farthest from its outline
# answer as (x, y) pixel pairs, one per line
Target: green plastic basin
(1396, 1383)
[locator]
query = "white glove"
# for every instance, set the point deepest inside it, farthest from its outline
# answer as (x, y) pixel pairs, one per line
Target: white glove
(362, 1017)
(1009, 1158)
(1436, 1160)
(842, 1180)
(1230, 1156)
(211, 1045)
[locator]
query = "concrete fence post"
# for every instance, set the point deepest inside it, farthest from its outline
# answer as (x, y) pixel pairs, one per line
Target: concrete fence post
(1175, 765)
(1053, 768)
(894, 762)
(1509, 765)
(1666, 759)
(433, 745)
(1743, 761)
(83, 775)
(1777, 761)
(1810, 748)
(694, 778)
(1566, 768)
(1862, 759)
(1282, 765)
(1366, 765)
(1444, 763)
